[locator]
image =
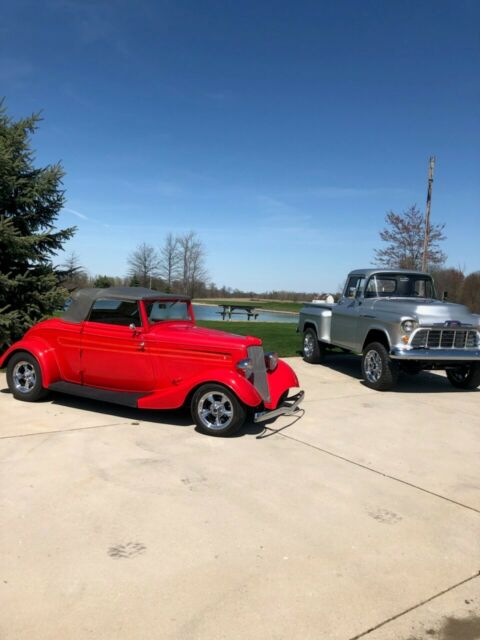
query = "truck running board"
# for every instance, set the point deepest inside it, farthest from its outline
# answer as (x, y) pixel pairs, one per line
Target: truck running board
(126, 398)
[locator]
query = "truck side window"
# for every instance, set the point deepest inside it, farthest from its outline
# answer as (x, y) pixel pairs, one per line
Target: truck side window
(355, 283)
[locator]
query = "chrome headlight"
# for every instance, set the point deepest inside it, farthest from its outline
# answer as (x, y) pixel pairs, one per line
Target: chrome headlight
(246, 367)
(409, 325)
(271, 360)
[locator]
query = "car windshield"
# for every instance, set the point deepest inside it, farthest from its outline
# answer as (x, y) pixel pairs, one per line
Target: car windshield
(162, 310)
(399, 285)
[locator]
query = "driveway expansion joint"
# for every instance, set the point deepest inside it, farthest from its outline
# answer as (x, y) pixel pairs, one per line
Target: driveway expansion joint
(380, 473)
(415, 606)
(46, 433)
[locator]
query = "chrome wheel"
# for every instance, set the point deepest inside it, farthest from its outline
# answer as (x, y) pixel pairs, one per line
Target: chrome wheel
(373, 366)
(24, 376)
(308, 345)
(215, 410)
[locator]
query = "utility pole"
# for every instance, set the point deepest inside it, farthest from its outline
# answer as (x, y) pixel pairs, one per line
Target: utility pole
(431, 167)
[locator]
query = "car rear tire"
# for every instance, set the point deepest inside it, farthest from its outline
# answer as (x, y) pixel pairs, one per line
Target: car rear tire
(24, 377)
(466, 377)
(378, 370)
(217, 411)
(313, 351)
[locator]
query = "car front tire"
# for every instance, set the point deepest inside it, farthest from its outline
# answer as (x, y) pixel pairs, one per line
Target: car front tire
(378, 370)
(217, 411)
(24, 377)
(466, 377)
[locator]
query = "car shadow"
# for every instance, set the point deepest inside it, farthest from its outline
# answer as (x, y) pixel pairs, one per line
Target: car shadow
(176, 417)
(424, 382)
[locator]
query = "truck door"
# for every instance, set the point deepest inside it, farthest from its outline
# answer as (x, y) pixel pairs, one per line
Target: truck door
(345, 314)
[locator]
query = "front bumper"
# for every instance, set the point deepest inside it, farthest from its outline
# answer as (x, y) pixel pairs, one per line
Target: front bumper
(436, 355)
(288, 407)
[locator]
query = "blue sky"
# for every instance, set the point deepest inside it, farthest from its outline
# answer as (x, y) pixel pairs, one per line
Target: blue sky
(281, 131)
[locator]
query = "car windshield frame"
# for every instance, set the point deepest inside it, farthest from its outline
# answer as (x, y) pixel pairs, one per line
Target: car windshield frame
(170, 303)
(405, 290)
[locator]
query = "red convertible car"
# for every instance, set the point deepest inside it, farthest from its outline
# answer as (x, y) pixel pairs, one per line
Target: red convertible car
(141, 348)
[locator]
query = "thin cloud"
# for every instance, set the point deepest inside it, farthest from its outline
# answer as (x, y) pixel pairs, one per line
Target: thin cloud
(82, 216)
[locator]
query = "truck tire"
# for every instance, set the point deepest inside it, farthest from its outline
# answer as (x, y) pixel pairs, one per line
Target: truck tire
(466, 377)
(378, 370)
(217, 411)
(313, 351)
(24, 377)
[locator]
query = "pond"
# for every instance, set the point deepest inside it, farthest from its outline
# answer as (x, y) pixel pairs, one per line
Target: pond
(212, 312)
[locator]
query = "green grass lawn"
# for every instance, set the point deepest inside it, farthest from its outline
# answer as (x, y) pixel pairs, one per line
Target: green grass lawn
(276, 336)
(268, 305)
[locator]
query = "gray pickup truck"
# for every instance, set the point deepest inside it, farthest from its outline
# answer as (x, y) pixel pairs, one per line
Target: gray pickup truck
(395, 321)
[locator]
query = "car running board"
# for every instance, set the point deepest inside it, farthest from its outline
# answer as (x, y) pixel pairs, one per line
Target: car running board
(126, 398)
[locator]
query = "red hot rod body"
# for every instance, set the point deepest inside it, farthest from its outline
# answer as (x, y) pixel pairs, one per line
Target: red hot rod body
(141, 348)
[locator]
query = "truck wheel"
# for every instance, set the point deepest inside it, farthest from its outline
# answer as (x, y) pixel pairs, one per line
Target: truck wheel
(378, 370)
(24, 377)
(313, 351)
(217, 411)
(466, 377)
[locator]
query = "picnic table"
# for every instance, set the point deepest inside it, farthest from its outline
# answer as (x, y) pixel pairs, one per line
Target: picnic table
(230, 310)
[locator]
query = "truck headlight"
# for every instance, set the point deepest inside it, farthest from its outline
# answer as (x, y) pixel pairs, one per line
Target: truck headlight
(246, 367)
(409, 325)
(271, 360)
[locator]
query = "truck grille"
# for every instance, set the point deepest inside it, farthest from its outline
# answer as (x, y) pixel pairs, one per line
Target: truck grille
(444, 339)
(260, 381)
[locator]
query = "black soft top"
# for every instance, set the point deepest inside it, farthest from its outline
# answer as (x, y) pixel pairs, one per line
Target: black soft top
(83, 299)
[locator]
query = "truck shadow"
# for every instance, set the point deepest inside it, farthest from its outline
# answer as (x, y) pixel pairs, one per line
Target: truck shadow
(424, 382)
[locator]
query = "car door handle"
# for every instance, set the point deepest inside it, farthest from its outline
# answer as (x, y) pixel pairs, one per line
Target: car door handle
(141, 346)
(367, 315)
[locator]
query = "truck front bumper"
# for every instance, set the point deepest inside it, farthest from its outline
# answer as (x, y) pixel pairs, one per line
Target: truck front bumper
(288, 407)
(436, 355)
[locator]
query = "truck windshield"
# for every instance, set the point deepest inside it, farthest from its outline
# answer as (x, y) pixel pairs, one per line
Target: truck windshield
(162, 310)
(399, 285)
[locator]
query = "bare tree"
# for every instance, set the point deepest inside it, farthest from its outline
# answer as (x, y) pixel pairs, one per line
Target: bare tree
(404, 236)
(471, 292)
(143, 264)
(169, 264)
(192, 262)
(449, 280)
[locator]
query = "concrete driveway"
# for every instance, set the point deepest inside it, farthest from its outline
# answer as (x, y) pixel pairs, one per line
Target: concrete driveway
(361, 519)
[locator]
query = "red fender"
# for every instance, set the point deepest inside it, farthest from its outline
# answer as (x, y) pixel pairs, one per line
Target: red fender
(279, 381)
(173, 397)
(42, 351)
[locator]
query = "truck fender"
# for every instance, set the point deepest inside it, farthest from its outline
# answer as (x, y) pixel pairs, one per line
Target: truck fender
(310, 324)
(375, 330)
(41, 351)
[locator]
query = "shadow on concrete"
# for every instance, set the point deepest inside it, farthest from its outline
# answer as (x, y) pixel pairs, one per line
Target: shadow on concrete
(177, 417)
(424, 382)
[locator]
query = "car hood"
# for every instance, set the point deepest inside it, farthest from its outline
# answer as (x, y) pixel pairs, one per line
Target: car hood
(426, 311)
(187, 334)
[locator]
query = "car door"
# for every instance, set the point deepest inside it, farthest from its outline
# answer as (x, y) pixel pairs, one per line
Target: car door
(345, 314)
(114, 355)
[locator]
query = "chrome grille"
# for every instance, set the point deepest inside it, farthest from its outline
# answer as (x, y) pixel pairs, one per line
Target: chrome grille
(444, 339)
(260, 381)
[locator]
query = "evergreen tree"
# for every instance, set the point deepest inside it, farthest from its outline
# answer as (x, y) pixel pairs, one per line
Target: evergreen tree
(102, 282)
(30, 200)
